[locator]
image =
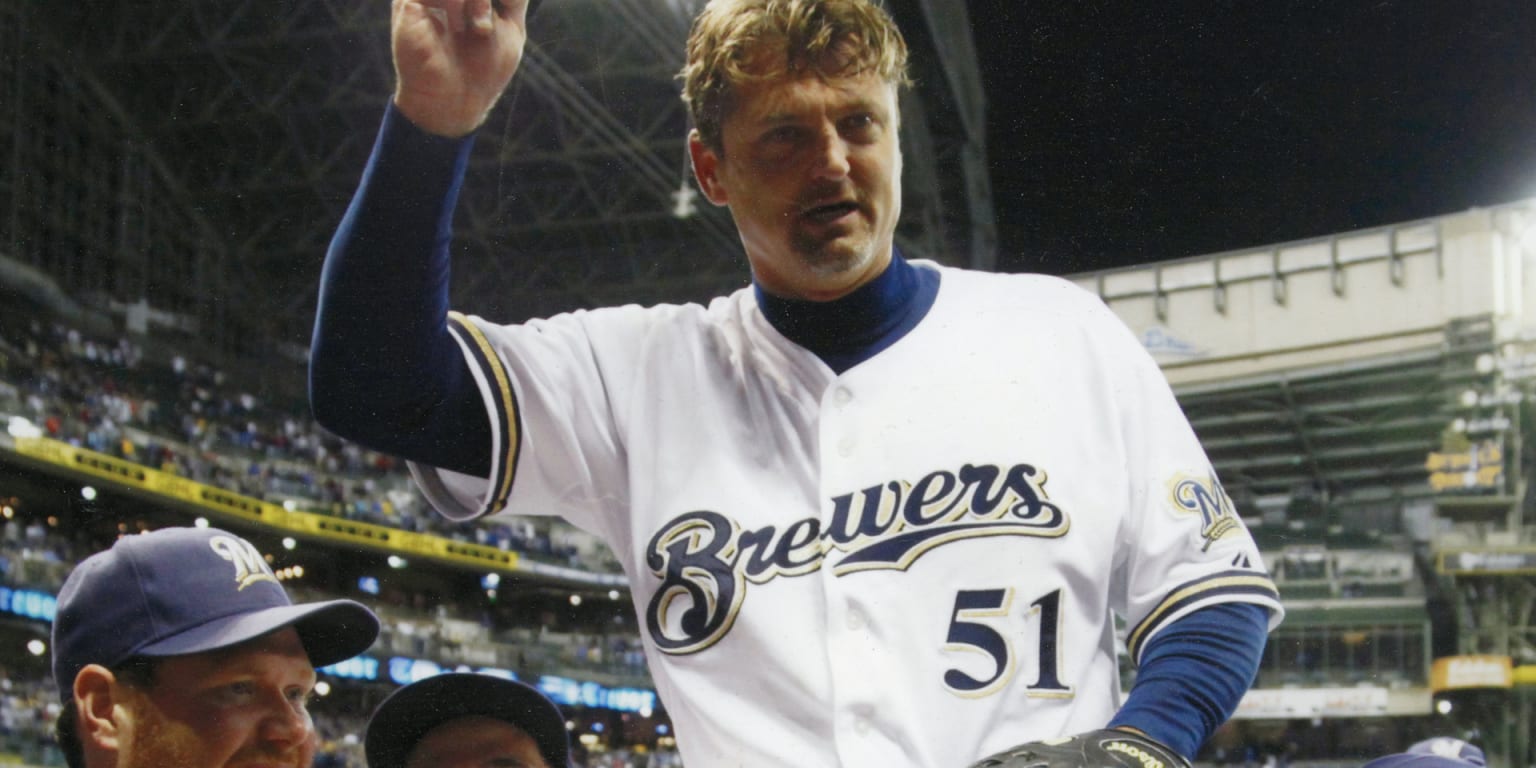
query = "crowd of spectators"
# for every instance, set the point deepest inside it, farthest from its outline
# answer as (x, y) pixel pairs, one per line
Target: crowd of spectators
(28, 708)
(158, 407)
(184, 417)
(31, 556)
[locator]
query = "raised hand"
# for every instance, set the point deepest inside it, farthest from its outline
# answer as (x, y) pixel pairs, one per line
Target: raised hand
(453, 59)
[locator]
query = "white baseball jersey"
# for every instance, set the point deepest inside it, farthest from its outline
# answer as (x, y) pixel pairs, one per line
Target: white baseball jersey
(913, 563)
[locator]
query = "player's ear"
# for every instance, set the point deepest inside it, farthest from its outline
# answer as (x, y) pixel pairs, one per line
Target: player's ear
(100, 711)
(706, 168)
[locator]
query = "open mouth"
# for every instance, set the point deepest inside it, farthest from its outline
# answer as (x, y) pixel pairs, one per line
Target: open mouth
(825, 214)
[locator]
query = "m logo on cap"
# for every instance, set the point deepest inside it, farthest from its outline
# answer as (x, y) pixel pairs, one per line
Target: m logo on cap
(250, 567)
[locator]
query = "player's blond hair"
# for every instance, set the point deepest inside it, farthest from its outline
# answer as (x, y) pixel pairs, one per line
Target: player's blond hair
(738, 41)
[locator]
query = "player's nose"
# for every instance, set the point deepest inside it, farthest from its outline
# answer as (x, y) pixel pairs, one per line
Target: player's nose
(286, 723)
(830, 154)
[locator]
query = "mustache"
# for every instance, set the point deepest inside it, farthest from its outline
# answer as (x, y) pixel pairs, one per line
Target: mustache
(269, 756)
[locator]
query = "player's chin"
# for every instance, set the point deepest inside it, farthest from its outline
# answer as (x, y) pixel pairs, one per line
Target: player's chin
(840, 256)
(833, 249)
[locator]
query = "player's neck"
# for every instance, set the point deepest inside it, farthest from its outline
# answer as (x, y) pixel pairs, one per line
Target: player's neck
(849, 329)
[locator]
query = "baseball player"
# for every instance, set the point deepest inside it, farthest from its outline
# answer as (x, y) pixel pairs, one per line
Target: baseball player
(179, 648)
(872, 511)
(464, 720)
(1437, 752)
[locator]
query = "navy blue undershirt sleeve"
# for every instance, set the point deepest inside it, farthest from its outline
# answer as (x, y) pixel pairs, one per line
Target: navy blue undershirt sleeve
(1193, 674)
(384, 371)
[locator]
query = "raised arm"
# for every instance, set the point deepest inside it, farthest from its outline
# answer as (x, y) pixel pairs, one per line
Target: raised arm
(384, 369)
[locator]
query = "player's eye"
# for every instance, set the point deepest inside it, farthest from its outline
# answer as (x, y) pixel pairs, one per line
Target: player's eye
(861, 126)
(300, 696)
(236, 693)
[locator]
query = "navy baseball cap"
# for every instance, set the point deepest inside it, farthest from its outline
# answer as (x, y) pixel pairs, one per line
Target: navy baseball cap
(1440, 752)
(177, 591)
(1445, 746)
(410, 712)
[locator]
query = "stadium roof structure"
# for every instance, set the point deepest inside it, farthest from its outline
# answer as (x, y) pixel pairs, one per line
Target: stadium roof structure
(198, 156)
(1380, 371)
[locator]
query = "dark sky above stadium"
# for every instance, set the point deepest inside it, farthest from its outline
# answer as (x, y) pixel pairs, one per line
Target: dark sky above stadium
(1126, 132)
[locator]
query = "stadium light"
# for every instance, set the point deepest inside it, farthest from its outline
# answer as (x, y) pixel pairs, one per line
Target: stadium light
(201, 522)
(289, 542)
(397, 562)
(1443, 706)
(575, 599)
(36, 647)
(20, 426)
(88, 493)
(322, 688)
(682, 201)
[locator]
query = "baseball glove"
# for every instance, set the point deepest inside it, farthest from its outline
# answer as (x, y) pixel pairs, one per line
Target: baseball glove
(1105, 748)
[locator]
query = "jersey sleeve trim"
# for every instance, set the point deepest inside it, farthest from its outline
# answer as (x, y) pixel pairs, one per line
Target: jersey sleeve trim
(501, 407)
(1226, 586)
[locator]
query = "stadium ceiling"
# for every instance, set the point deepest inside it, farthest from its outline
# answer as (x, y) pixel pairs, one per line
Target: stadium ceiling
(199, 155)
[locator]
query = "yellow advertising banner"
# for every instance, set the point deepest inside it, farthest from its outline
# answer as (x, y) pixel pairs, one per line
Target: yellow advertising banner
(1486, 671)
(1479, 467)
(231, 505)
(1525, 674)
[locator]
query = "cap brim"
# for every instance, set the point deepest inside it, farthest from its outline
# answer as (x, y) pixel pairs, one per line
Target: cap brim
(332, 631)
(1444, 746)
(410, 712)
(1407, 760)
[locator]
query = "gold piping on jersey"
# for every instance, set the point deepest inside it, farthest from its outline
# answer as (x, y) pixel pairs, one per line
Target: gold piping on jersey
(504, 402)
(1256, 586)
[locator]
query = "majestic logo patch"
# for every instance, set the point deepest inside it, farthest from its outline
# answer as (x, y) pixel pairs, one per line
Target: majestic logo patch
(704, 559)
(250, 566)
(1203, 495)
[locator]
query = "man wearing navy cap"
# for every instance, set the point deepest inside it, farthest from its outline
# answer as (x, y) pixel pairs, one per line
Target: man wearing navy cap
(466, 721)
(1439, 752)
(178, 648)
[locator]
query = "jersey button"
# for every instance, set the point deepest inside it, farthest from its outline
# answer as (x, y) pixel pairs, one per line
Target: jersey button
(841, 396)
(855, 620)
(861, 726)
(845, 447)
